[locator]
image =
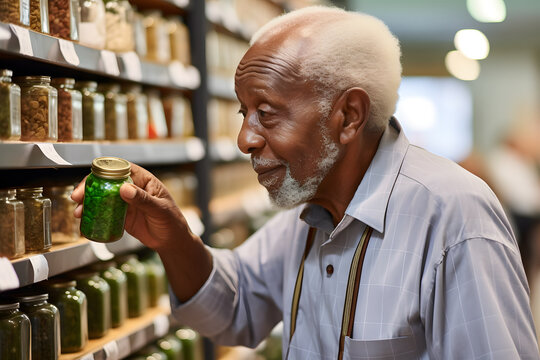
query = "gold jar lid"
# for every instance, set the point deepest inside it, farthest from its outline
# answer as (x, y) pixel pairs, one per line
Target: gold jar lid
(109, 167)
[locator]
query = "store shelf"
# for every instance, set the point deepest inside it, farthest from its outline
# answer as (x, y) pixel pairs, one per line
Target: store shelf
(223, 87)
(24, 155)
(224, 19)
(24, 43)
(225, 149)
(245, 204)
(168, 7)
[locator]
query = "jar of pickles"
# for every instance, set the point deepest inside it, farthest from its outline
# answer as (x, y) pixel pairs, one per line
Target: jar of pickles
(72, 305)
(92, 26)
(45, 320)
(171, 346)
(10, 107)
(117, 281)
(38, 108)
(116, 123)
(69, 110)
(64, 226)
(39, 16)
(37, 219)
(98, 296)
(11, 225)
(137, 284)
(155, 273)
(104, 211)
(191, 343)
(137, 111)
(93, 105)
(15, 12)
(118, 19)
(14, 332)
(64, 19)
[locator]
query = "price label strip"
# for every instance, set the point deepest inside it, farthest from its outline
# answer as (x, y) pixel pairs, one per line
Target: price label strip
(111, 351)
(25, 44)
(124, 347)
(110, 62)
(68, 52)
(8, 276)
(101, 251)
(132, 66)
(161, 325)
(40, 266)
(50, 153)
(87, 357)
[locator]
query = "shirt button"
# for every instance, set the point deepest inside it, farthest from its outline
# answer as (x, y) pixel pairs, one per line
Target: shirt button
(329, 270)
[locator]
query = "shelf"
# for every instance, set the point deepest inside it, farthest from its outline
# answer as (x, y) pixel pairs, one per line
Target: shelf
(225, 150)
(222, 87)
(167, 7)
(24, 43)
(241, 205)
(224, 19)
(24, 155)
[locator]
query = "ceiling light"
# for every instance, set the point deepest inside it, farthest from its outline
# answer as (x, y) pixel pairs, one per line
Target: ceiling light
(487, 10)
(461, 66)
(472, 43)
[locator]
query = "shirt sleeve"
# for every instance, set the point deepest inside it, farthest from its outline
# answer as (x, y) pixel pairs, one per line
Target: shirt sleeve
(480, 304)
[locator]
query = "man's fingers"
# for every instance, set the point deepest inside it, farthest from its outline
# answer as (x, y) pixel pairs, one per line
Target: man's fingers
(78, 194)
(135, 196)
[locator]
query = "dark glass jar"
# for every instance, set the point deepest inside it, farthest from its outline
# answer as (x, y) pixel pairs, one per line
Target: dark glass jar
(117, 281)
(14, 332)
(191, 344)
(72, 306)
(137, 284)
(116, 122)
(64, 226)
(98, 296)
(69, 110)
(152, 352)
(93, 105)
(37, 219)
(45, 320)
(172, 347)
(137, 112)
(104, 211)
(155, 273)
(10, 107)
(11, 225)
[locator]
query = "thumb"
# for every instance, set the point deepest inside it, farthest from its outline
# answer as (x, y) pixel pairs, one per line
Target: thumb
(139, 198)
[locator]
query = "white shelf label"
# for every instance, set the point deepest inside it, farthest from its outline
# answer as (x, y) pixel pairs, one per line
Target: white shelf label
(194, 149)
(192, 77)
(40, 266)
(101, 251)
(161, 325)
(68, 52)
(124, 348)
(110, 63)
(87, 357)
(176, 73)
(50, 153)
(111, 351)
(8, 276)
(132, 65)
(25, 44)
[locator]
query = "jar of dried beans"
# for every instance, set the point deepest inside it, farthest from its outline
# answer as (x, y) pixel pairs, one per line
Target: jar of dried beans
(15, 12)
(137, 112)
(69, 110)
(37, 219)
(116, 123)
(39, 16)
(38, 108)
(93, 105)
(11, 225)
(10, 107)
(64, 226)
(64, 19)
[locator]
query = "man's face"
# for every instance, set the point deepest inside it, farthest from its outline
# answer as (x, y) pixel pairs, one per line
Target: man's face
(283, 130)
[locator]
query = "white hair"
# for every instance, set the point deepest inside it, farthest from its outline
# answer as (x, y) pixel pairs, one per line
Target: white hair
(347, 49)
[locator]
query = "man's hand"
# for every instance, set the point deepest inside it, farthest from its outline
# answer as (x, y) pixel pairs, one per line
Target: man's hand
(155, 219)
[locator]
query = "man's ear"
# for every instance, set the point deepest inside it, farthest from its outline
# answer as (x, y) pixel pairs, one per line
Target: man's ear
(353, 110)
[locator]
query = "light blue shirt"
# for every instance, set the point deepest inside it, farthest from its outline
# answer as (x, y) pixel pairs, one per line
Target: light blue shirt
(442, 277)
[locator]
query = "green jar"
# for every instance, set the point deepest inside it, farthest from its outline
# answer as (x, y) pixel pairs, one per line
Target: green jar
(172, 347)
(10, 107)
(117, 281)
(45, 320)
(37, 219)
(72, 305)
(152, 352)
(116, 121)
(93, 110)
(104, 211)
(191, 344)
(14, 332)
(98, 296)
(155, 273)
(137, 284)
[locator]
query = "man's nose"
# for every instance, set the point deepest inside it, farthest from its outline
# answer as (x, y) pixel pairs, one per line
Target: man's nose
(249, 139)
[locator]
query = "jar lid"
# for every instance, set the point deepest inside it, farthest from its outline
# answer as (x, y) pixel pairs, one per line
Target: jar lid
(6, 72)
(110, 167)
(9, 192)
(32, 298)
(83, 274)
(109, 87)
(61, 283)
(9, 305)
(86, 84)
(59, 189)
(30, 190)
(33, 79)
(63, 81)
(103, 265)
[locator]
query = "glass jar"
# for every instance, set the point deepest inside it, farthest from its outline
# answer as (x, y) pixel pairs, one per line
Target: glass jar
(98, 297)
(157, 124)
(104, 211)
(11, 225)
(92, 26)
(39, 16)
(64, 226)
(69, 110)
(152, 352)
(158, 47)
(172, 347)
(64, 19)
(117, 281)
(137, 284)
(177, 110)
(37, 219)
(72, 305)
(137, 111)
(45, 320)
(191, 344)
(179, 40)
(155, 273)
(14, 332)
(39, 108)
(116, 123)
(140, 34)
(93, 105)
(10, 107)
(15, 12)
(118, 19)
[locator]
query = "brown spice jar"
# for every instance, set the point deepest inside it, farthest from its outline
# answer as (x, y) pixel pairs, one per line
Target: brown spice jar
(37, 219)
(15, 12)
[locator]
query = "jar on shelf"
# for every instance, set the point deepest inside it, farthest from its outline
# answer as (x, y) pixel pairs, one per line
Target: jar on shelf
(64, 226)
(139, 33)
(93, 105)
(45, 320)
(157, 124)
(117, 281)
(118, 19)
(11, 225)
(39, 16)
(92, 27)
(151, 352)
(39, 108)
(14, 332)
(10, 107)
(177, 110)
(137, 284)
(191, 343)
(37, 219)
(104, 211)
(116, 122)
(171, 346)
(72, 305)
(179, 40)
(155, 274)
(98, 297)
(137, 111)
(64, 19)
(158, 47)
(69, 110)
(15, 12)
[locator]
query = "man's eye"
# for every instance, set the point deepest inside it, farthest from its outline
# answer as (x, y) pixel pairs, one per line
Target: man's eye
(261, 113)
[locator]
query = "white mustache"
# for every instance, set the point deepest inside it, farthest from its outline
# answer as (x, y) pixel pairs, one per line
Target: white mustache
(262, 162)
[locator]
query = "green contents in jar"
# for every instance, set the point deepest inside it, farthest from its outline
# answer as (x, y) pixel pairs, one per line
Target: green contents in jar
(117, 281)
(137, 284)
(93, 116)
(155, 273)
(172, 347)
(37, 219)
(11, 225)
(191, 344)
(14, 332)
(104, 211)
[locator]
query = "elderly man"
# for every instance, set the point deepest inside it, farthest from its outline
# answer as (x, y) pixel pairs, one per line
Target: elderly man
(386, 251)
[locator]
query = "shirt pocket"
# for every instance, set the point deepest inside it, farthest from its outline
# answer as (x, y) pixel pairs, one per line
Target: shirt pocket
(402, 348)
